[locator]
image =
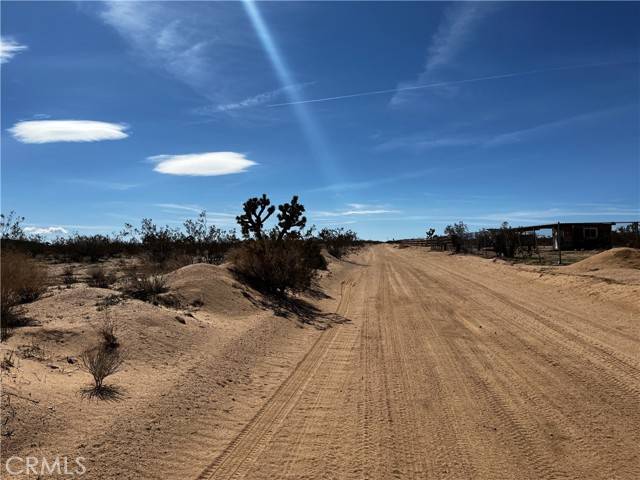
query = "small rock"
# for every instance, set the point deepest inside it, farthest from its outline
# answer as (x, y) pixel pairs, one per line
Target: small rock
(181, 319)
(53, 367)
(72, 360)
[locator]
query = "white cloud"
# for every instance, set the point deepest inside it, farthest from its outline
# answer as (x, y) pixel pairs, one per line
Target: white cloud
(179, 206)
(45, 230)
(199, 46)
(420, 142)
(357, 210)
(253, 101)
(424, 142)
(102, 184)
(216, 217)
(202, 164)
(453, 32)
(46, 131)
(452, 35)
(558, 214)
(10, 48)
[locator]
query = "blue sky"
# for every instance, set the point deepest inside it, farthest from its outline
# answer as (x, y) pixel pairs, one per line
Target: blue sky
(386, 118)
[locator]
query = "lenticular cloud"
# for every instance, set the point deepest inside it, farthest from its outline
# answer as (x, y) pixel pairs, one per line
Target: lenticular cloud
(46, 131)
(202, 164)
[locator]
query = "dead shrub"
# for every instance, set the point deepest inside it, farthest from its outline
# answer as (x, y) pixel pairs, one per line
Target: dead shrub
(68, 277)
(22, 280)
(100, 362)
(109, 301)
(108, 331)
(32, 351)
(99, 278)
(8, 362)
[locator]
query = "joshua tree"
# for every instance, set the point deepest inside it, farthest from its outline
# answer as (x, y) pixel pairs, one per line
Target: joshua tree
(290, 216)
(258, 210)
(254, 217)
(430, 233)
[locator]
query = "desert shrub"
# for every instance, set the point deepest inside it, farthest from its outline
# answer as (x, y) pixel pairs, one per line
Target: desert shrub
(458, 233)
(68, 277)
(82, 248)
(338, 241)
(145, 287)
(22, 280)
(99, 278)
(100, 362)
(8, 362)
(276, 267)
(109, 301)
(206, 243)
(108, 331)
(33, 351)
(281, 259)
(626, 236)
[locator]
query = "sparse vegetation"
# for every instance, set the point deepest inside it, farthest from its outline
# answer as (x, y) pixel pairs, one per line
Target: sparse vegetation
(108, 331)
(338, 241)
(33, 351)
(279, 260)
(109, 301)
(458, 233)
(7, 362)
(100, 278)
(273, 266)
(145, 287)
(101, 362)
(23, 280)
(68, 277)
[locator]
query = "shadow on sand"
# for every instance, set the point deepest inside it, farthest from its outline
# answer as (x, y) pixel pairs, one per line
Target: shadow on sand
(109, 393)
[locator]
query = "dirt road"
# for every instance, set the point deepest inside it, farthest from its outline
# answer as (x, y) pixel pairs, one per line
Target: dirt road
(453, 368)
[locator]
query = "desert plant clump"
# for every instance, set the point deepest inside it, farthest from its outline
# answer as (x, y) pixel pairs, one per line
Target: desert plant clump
(22, 280)
(99, 278)
(68, 277)
(101, 362)
(338, 241)
(458, 233)
(281, 259)
(145, 287)
(276, 267)
(108, 332)
(32, 351)
(8, 361)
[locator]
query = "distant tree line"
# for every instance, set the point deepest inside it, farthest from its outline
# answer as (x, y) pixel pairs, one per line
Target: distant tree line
(277, 259)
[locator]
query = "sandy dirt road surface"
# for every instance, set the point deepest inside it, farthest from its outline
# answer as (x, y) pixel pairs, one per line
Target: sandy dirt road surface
(456, 368)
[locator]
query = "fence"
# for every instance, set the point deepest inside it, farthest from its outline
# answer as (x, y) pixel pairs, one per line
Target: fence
(524, 243)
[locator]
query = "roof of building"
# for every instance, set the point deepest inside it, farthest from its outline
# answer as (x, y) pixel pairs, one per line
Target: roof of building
(554, 225)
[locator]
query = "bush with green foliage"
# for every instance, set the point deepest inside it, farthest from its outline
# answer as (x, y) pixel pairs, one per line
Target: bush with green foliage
(338, 241)
(161, 245)
(458, 233)
(279, 260)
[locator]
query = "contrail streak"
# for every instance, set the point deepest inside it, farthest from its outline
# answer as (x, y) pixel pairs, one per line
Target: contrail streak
(451, 82)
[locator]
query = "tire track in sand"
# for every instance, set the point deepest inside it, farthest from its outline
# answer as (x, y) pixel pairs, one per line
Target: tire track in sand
(255, 435)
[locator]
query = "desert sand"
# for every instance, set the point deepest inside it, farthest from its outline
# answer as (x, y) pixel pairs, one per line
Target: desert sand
(419, 365)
